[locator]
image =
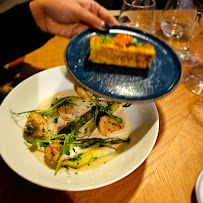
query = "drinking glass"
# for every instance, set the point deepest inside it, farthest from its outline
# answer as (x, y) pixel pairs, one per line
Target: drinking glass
(194, 83)
(138, 14)
(179, 21)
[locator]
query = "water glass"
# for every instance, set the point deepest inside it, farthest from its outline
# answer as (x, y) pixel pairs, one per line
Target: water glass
(179, 21)
(138, 14)
(178, 18)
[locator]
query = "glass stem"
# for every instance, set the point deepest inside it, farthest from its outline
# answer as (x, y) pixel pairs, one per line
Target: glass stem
(196, 24)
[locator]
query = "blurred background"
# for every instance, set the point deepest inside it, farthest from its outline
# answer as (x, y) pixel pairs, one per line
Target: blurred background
(10, 73)
(109, 4)
(117, 4)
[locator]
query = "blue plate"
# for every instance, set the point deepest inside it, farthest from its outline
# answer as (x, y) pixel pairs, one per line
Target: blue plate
(122, 83)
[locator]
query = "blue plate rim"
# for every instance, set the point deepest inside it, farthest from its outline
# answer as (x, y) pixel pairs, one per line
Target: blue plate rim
(117, 27)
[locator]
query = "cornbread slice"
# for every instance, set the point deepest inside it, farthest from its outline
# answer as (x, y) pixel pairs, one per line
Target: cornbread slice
(121, 51)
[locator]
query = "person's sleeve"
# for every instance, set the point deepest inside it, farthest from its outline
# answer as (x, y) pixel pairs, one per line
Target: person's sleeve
(19, 34)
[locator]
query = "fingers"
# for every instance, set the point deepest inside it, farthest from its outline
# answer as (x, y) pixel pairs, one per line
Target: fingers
(56, 17)
(105, 15)
(65, 30)
(94, 14)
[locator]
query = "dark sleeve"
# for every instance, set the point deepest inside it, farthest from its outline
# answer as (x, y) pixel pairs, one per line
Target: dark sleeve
(19, 34)
(111, 4)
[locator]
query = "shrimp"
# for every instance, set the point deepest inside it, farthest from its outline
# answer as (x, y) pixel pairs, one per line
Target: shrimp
(53, 152)
(36, 126)
(54, 149)
(108, 125)
(84, 93)
(68, 113)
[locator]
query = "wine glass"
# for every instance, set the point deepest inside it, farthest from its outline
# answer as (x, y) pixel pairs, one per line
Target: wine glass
(194, 83)
(138, 14)
(179, 21)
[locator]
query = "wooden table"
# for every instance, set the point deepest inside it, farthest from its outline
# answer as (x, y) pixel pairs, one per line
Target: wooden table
(167, 175)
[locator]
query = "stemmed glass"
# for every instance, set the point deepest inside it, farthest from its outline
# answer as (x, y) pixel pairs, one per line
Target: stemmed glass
(179, 21)
(138, 14)
(194, 83)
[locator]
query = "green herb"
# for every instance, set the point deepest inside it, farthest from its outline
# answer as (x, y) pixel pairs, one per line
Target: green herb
(106, 39)
(55, 120)
(44, 144)
(49, 112)
(31, 140)
(135, 43)
(108, 109)
(102, 143)
(65, 149)
(60, 159)
(29, 130)
(65, 166)
(70, 139)
(118, 120)
(77, 158)
(85, 145)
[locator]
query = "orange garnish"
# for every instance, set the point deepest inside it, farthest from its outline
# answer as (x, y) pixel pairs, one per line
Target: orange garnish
(123, 39)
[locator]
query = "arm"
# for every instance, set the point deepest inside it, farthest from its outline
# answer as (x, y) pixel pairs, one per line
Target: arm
(26, 26)
(19, 34)
(68, 17)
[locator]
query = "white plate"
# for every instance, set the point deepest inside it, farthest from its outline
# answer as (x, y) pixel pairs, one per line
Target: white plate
(199, 187)
(27, 95)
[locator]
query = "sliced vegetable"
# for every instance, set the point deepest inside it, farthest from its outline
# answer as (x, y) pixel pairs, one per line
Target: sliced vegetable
(79, 123)
(84, 143)
(87, 157)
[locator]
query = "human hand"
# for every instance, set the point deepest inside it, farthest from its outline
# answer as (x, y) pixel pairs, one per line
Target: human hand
(66, 18)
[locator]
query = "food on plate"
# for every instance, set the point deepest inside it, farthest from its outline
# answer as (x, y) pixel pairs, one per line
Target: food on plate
(76, 129)
(84, 93)
(121, 50)
(109, 125)
(37, 125)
